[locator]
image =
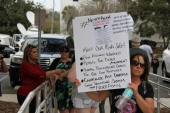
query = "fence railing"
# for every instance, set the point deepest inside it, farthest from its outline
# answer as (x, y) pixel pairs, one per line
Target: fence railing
(44, 99)
(0, 83)
(46, 104)
(158, 86)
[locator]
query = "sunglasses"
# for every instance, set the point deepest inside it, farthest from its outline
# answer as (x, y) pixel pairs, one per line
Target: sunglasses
(63, 51)
(136, 63)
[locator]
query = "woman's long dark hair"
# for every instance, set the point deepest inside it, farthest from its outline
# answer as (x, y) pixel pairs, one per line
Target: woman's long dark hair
(145, 74)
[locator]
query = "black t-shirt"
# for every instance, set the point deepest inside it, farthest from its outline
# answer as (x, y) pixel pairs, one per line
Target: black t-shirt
(131, 105)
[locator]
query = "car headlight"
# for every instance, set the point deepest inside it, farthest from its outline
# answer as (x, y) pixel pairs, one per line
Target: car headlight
(17, 60)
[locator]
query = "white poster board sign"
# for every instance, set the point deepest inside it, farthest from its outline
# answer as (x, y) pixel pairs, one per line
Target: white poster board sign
(102, 51)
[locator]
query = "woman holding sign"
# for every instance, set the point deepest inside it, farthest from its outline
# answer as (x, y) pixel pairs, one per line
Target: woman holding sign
(82, 103)
(142, 100)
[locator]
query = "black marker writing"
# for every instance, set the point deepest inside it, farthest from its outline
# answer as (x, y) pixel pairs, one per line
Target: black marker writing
(116, 81)
(115, 70)
(103, 82)
(92, 79)
(113, 53)
(105, 67)
(109, 46)
(97, 55)
(120, 74)
(87, 49)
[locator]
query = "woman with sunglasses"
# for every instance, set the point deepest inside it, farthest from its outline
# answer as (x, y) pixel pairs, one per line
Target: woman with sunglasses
(142, 101)
(63, 86)
(32, 75)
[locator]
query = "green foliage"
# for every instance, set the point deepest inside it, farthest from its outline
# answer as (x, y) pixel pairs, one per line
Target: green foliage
(90, 8)
(13, 12)
(146, 31)
(47, 27)
(56, 15)
(152, 16)
(69, 13)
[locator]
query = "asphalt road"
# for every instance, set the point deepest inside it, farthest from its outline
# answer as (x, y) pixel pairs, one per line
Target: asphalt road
(7, 89)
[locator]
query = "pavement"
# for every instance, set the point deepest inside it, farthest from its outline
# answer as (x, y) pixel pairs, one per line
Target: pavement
(13, 98)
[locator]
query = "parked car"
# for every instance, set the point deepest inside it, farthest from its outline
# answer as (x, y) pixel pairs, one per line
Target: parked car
(166, 62)
(19, 38)
(49, 51)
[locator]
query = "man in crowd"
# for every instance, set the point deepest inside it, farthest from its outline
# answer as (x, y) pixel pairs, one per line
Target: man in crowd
(148, 49)
(135, 47)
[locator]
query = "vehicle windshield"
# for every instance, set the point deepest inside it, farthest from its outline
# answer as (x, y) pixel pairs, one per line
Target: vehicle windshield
(47, 44)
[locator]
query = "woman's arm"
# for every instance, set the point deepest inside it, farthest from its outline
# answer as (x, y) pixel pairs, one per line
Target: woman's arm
(72, 74)
(96, 96)
(52, 72)
(147, 104)
(65, 74)
(3, 66)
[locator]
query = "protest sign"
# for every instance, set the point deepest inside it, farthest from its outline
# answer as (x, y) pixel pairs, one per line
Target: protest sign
(102, 51)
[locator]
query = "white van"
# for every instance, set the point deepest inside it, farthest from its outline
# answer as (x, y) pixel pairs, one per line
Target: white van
(7, 40)
(19, 38)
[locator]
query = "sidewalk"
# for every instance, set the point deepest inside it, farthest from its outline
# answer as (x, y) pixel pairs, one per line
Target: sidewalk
(13, 98)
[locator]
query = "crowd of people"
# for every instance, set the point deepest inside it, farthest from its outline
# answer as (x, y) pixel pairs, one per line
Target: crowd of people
(63, 71)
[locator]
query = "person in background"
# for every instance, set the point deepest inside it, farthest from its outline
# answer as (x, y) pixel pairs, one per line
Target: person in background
(82, 103)
(148, 49)
(135, 42)
(155, 64)
(32, 75)
(142, 90)
(63, 86)
(3, 67)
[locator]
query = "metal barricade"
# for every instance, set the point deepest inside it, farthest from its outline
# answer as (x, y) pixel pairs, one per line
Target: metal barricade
(158, 86)
(0, 83)
(43, 105)
(46, 104)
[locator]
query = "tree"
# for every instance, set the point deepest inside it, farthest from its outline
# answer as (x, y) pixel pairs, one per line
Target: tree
(152, 17)
(56, 15)
(47, 27)
(69, 13)
(13, 12)
(89, 8)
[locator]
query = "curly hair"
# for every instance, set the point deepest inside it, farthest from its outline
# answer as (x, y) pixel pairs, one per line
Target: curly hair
(64, 47)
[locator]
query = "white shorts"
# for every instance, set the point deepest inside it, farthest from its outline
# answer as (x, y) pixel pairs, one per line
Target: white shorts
(84, 103)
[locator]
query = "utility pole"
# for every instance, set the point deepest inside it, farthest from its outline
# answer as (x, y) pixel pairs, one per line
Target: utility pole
(52, 23)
